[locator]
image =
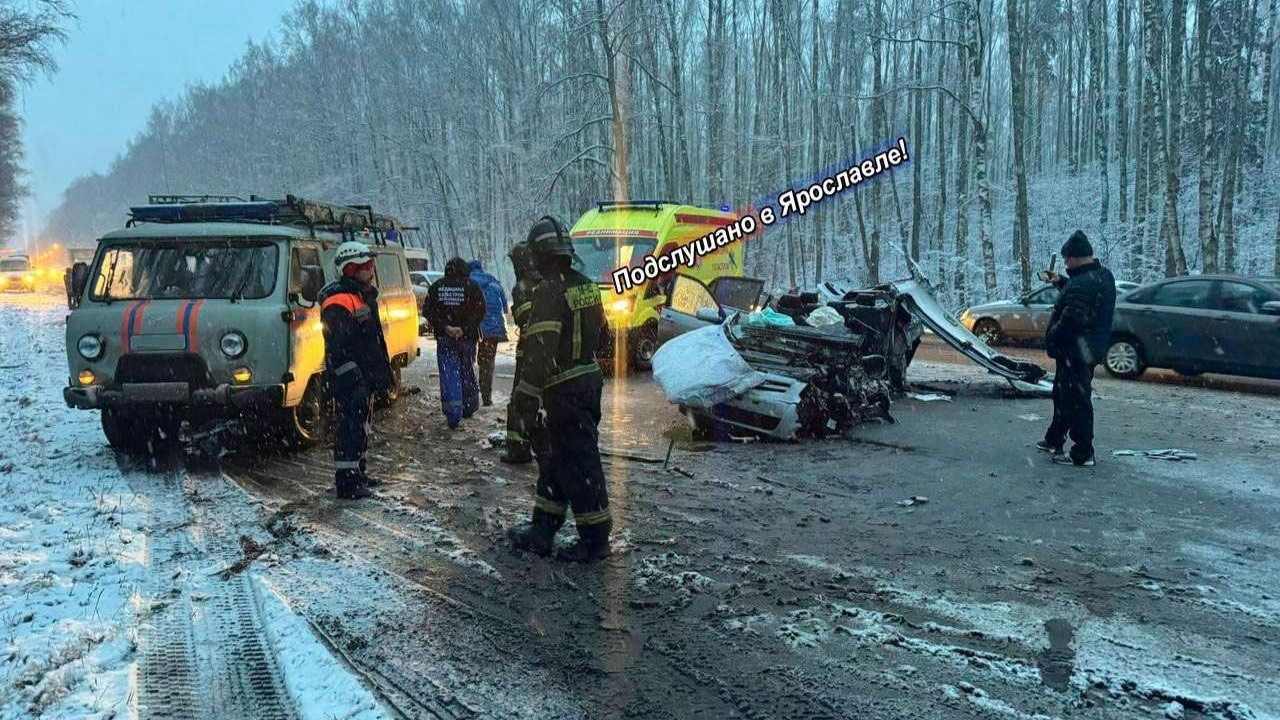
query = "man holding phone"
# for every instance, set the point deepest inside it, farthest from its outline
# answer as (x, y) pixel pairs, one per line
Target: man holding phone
(1077, 338)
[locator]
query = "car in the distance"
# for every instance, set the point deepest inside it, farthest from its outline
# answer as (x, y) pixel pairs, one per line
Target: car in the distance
(1022, 320)
(16, 274)
(1226, 324)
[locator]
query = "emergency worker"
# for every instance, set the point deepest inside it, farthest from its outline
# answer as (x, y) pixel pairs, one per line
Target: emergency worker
(524, 430)
(356, 362)
(566, 327)
(455, 304)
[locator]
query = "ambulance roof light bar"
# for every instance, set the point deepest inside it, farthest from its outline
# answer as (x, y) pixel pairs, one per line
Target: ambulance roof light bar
(654, 205)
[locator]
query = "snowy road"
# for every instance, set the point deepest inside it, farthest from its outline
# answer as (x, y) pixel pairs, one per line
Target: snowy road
(761, 581)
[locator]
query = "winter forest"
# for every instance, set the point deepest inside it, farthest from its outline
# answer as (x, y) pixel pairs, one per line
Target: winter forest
(1150, 124)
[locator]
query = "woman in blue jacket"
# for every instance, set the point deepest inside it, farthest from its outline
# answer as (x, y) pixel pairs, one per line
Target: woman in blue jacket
(493, 329)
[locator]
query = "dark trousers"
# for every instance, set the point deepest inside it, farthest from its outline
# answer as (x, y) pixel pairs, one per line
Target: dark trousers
(525, 430)
(459, 395)
(351, 439)
(1072, 405)
(486, 352)
(571, 476)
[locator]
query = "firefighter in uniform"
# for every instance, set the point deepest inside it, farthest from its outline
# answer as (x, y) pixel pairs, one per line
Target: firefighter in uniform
(566, 327)
(355, 354)
(524, 430)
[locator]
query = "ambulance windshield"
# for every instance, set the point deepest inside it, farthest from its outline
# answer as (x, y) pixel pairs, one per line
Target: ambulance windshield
(598, 256)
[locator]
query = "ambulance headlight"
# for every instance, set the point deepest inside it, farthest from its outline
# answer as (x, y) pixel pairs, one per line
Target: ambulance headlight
(620, 307)
(233, 344)
(90, 347)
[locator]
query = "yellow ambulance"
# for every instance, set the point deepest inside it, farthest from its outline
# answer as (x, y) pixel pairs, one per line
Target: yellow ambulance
(615, 235)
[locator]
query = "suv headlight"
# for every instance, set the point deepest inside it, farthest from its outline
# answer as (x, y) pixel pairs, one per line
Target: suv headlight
(233, 344)
(90, 347)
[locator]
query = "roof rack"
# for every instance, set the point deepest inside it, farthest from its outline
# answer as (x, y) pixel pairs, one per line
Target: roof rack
(291, 210)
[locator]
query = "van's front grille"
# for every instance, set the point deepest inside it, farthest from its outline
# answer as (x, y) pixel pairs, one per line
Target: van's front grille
(166, 368)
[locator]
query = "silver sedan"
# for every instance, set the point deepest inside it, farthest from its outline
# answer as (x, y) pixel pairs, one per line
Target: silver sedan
(1020, 320)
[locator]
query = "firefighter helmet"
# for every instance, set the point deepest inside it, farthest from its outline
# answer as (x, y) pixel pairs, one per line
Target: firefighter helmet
(352, 253)
(547, 239)
(521, 258)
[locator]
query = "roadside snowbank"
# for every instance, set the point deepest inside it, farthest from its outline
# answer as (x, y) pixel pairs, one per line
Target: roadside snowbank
(72, 542)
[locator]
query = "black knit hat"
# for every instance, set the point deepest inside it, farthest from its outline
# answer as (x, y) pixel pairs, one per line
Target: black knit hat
(1077, 246)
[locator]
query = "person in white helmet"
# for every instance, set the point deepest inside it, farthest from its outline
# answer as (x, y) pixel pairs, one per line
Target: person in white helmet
(355, 354)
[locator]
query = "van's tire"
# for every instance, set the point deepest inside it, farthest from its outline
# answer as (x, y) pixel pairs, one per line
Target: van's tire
(988, 331)
(140, 430)
(124, 431)
(1124, 358)
(307, 423)
(642, 344)
(388, 398)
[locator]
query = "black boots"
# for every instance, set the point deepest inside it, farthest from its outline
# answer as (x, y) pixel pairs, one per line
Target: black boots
(516, 454)
(351, 485)
(592, 544)
(538, 535)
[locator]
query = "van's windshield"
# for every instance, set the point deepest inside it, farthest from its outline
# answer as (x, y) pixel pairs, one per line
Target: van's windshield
(15, 265)
(597, 257)
(182, 269)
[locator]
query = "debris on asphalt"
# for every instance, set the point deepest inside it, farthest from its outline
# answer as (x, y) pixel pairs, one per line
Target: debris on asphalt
(1162, 454)
(929, 397)
(913, 500)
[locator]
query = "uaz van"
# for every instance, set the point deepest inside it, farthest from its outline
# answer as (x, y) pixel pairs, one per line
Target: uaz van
(206, 307)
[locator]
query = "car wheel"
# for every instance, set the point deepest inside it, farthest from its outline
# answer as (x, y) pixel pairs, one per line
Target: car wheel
(1124, 359)
(122, 431)
(307, 423)
(140, 431)
(389, 397)
(644, 343)
(988, 331)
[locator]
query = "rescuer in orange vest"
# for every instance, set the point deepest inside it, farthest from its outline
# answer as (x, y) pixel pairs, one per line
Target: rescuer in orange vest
(355, 354)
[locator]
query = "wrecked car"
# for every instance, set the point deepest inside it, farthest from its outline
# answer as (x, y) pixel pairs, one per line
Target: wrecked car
(815, 364)
(809, 368)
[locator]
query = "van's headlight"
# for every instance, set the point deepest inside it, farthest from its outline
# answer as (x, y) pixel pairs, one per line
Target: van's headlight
(90, 347)
(233, 344)
(620, 307)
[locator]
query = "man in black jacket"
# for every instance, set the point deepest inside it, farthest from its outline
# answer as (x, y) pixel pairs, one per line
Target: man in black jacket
(455, 305)
(355, 353)
(1077, 338)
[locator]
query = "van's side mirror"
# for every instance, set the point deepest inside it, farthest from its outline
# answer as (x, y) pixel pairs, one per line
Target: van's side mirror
(1271, 307)
(312, 283)
(77, 278)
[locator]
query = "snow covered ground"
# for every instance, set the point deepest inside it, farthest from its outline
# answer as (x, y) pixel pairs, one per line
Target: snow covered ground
(76, 527)
(72, 541)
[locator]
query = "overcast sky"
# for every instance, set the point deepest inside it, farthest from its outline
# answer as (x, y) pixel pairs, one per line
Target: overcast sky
(122, 56)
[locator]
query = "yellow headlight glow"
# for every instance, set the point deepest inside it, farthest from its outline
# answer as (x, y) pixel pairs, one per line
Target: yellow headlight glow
(86, 377)
(620, 306)
(241, 375)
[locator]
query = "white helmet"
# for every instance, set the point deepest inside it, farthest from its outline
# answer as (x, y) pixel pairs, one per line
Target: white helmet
(352, 252)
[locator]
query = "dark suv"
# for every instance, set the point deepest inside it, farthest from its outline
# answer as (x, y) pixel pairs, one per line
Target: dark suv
(1207, 323)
